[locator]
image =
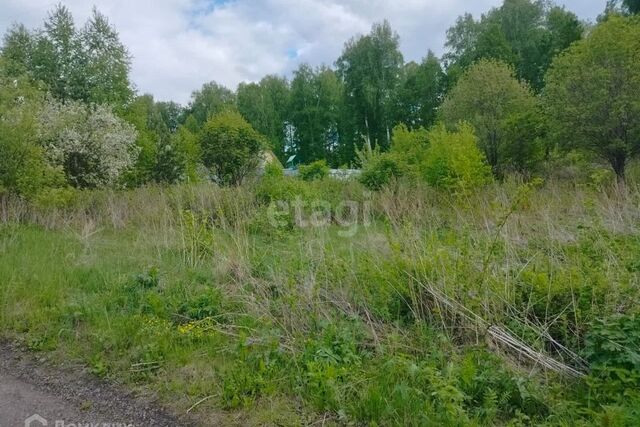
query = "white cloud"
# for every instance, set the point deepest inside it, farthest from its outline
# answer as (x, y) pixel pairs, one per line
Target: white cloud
(178, 45)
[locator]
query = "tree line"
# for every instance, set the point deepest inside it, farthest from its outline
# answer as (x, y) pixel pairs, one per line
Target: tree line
(527, 78)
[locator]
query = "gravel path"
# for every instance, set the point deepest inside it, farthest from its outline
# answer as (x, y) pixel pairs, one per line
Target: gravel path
(66, 396)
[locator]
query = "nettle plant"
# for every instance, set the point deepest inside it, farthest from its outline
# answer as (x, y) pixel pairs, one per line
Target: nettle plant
(613, 348)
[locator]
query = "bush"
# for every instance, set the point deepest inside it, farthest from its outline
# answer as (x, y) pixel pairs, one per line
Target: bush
(230, 147)
(91, 144)
(380, 170)
(489, 96)
(314, 171)
(453, 160)
(273, 169)
(23, 166)
(410, 146)
(273, 188)
(613, 343)
(611, 347)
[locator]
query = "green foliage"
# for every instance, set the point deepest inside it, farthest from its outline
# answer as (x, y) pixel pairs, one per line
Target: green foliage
(410, 146)
(526, 148)
(108, 63)
(324, 327)
(207, 304)
(212, 99)
(380, 171)
(441, 158)
(265, 105)
(314, 171)
(453, 160)
(168, 152)
(370, 67)
(91, 145)
(613, 345)
(599, 111)
(89, 65)
(273, 170)
(23, 167)
(525, 34)
(491, 99)
(252, 309)
(601, 178)
(632, 5)
(316, 97)
(230, 147)
(420, 92)
(197, 237)
(149, 279)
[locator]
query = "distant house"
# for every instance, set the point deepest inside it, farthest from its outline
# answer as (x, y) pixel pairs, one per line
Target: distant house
(267, 157)
(291, 169)
(344, 174)
(341, 174)
(292, 162)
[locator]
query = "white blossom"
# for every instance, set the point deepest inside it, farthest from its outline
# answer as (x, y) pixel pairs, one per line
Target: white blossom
(91, 144)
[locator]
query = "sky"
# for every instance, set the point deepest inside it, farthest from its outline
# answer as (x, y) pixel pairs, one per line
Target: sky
(177, 45)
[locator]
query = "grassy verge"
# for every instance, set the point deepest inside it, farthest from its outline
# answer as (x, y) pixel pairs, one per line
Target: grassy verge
(197, 295)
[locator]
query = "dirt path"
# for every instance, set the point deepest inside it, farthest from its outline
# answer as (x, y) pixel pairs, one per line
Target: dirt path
(66, 396)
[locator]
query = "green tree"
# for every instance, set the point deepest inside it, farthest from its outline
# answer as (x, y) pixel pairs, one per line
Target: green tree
(210, 100)
(525, 132)
(370, 67)
(58, 58)
(488, 95)
(380, 170)
(91, 65)
(420, 92)
(171, 114)
(593, 93)
(17, 50)
(265, 105)
(620, 7)
(523, 33)
(23, 167)
(107, 63)
(142, 115)
(410, 146)
(231, 148)
(315, 101)
(460, 42)
(185, 144)
(166, 155)
(564, 29)
(632, 5)
(523, 22)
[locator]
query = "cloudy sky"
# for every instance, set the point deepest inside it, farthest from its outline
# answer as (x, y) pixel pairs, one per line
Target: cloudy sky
(177, 45)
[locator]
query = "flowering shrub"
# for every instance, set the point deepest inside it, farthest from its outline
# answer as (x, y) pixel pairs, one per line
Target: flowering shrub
(91, 144)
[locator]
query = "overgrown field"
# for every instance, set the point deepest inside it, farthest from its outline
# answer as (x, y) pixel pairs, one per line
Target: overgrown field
(406, 306)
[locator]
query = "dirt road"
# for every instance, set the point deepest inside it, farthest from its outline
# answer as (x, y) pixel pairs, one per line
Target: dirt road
(65, 396)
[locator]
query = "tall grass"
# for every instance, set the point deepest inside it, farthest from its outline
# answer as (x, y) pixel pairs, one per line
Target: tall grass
(192, 293)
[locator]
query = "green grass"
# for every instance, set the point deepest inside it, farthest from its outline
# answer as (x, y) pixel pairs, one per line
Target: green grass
(189, 293)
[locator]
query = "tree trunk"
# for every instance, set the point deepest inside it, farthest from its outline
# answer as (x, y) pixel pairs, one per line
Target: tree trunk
(366, 123)
(618, 163)
(388, 137)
